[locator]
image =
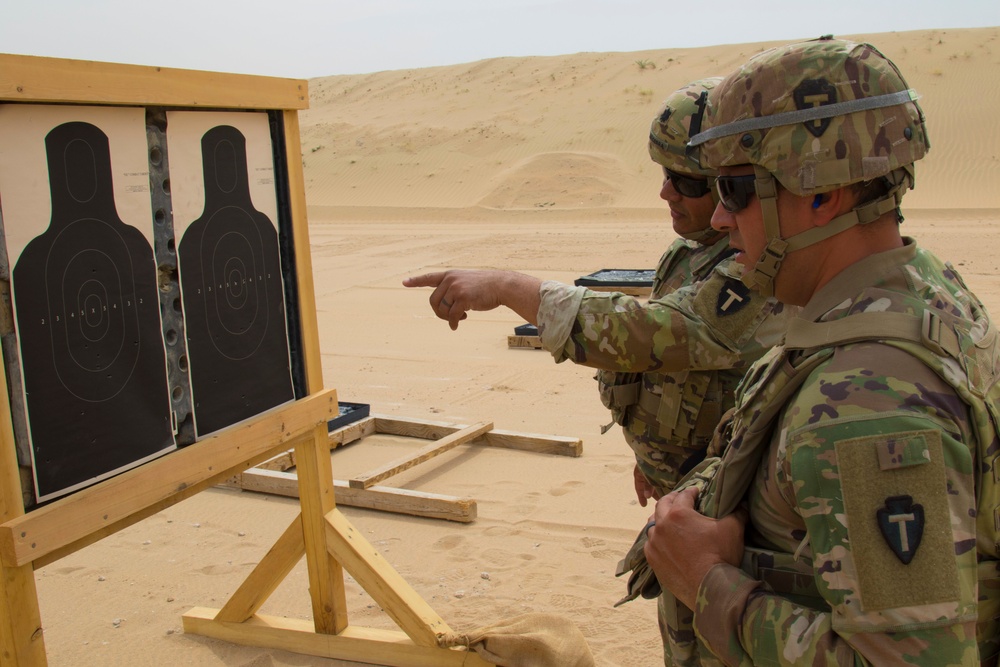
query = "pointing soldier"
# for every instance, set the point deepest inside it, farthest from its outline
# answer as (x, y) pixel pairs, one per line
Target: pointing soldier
(851, 519)
(669, 368)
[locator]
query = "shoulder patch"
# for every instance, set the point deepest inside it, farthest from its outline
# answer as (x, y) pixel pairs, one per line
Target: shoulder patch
(902, 524)
(733, 297)
(898, 520)
(728, 308)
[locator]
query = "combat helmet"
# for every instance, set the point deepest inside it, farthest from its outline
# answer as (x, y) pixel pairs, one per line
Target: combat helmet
(815, 116)
(680, 118)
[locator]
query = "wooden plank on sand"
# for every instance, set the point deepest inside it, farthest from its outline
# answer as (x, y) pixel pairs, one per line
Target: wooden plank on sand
(385, 498)
(434, 430)
(530, 342)
(424, 454)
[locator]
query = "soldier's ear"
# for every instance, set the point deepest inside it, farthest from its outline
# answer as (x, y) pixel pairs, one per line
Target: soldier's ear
(828, 205)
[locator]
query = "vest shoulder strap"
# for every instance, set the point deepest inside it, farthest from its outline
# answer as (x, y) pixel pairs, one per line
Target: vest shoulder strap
(928, 329)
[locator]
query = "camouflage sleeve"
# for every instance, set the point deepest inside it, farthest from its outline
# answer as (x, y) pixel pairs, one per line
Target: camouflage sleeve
(713, 324)
(743, 623)
(872, 477)
(556, 314)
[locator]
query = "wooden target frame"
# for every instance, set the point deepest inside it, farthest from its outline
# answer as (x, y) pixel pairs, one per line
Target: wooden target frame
(320, 532)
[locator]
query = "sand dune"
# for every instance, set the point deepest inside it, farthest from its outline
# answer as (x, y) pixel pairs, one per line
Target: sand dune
(459, 136)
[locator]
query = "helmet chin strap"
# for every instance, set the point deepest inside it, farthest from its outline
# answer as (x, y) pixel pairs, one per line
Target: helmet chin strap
(762, 275)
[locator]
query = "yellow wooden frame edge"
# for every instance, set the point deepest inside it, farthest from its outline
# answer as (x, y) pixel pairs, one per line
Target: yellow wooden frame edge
(37, 79)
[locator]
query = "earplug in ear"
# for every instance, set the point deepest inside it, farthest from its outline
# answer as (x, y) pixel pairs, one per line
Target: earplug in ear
(817, 200)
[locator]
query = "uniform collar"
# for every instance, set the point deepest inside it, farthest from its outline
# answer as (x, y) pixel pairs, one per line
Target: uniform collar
(869, 271)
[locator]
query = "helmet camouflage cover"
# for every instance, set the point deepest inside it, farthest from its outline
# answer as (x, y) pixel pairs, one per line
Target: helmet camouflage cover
(679, 119)
(818, 115)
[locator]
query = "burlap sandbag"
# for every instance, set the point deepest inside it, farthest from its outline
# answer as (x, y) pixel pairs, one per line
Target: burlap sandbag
(530, 640)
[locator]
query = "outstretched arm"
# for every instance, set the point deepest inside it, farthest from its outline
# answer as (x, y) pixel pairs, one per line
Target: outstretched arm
(459, 291)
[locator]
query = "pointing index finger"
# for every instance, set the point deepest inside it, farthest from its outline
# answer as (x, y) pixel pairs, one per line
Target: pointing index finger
(425, 280)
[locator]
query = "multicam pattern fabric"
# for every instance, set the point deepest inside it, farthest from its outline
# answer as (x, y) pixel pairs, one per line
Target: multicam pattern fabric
(822, 154)
(678, 120)
(671, 365)
(871, 477)
(669, 368)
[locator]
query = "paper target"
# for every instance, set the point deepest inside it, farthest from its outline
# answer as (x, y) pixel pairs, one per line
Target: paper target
(88, 322)
(231, 287)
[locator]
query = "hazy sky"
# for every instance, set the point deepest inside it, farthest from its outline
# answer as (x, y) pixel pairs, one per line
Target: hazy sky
(310, 38)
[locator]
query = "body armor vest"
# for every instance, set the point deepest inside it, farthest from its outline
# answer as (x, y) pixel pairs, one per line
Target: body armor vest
(671, 412)
(968, 359)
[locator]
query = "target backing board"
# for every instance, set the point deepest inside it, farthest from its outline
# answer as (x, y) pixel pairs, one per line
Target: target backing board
(74, 195)
(225, 220)
(103, 279)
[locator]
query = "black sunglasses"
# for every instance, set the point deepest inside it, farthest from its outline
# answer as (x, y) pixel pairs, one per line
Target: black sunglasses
(735, 191)
(687, 186)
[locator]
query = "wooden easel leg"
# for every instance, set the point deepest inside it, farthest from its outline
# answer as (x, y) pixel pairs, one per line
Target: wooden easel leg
(265, 578)
(410, 612)
(21, 641)
(331, 545)
(326, 576)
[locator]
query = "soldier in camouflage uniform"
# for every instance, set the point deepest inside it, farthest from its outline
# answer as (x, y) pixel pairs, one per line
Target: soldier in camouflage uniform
(853, 516)
(669, 368)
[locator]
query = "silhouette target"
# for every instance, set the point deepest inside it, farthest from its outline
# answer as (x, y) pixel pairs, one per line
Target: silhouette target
(234, 312)
(88, 321)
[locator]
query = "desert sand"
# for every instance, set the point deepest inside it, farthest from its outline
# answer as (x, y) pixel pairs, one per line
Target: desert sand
(532, 164)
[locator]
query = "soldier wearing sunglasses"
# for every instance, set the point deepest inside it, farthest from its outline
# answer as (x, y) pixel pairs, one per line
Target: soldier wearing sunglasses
(668, 369)
(853, 516)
